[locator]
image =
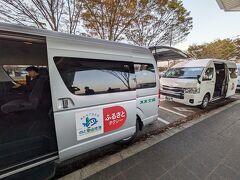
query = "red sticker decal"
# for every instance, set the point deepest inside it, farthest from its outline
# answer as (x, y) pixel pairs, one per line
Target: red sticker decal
(114, 118)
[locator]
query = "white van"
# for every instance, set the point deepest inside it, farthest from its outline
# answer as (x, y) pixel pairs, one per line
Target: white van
(238, 84)
(198, 82)
(87, 93)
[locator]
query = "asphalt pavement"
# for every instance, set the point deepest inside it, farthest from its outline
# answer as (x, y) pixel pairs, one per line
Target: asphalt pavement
(209, 149)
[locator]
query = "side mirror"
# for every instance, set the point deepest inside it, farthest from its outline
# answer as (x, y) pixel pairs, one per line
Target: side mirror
(198, 79)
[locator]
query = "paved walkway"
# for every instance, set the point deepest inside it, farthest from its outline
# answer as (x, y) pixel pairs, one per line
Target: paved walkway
(207, 150)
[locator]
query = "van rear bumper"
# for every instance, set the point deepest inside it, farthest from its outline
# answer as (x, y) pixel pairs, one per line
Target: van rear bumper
(149, 120)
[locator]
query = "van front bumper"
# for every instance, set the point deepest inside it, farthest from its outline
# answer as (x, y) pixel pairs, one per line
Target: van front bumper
(187, 99)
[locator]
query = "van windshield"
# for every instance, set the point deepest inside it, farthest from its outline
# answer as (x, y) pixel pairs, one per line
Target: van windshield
(184, 72)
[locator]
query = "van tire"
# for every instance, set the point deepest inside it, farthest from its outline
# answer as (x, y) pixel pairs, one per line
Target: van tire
(131, 139)
(205, 101)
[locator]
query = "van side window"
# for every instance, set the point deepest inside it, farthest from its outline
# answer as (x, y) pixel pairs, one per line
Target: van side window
(208, 75)
(233, 73)
(16, 72)
(91, 76)
(145, 74)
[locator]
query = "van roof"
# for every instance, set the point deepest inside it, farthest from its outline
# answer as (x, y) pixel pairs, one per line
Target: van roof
(193, 63)
(202, 63)
(47, 33)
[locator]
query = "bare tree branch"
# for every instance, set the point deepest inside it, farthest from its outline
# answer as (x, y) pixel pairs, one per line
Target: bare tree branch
(162, 25)
(57, 15)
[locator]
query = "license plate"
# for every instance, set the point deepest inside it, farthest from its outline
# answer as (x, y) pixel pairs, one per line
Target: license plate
(168, 98)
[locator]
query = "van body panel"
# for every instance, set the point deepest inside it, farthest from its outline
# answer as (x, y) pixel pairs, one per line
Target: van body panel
(174, 82)
(233, 82)
(147, 98)
(149, 108)
(140, 113)
(94, 143)
(208, 85)
(232, 87)
(65, 123)
(238, 83)
(143, 101)
(65, 119)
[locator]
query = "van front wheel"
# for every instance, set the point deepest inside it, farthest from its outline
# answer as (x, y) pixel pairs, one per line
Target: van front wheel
(131, 139)
(205, 101)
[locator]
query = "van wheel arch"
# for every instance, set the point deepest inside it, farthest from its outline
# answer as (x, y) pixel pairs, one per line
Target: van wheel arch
(209, 95)
(131, 139)
(205, 101)
(140, 123)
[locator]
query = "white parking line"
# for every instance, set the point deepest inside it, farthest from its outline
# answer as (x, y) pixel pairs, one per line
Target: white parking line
(164, 121)
(183, 109)
(172, 111)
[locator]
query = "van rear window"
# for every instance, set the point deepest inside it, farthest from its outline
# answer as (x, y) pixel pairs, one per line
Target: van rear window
(145, 74)
(91, 76)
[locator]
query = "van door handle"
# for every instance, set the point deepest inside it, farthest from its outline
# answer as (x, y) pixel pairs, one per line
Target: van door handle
(65, 103)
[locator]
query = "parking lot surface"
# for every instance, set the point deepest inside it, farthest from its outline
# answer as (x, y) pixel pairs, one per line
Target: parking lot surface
(171, 114)
(207, 150)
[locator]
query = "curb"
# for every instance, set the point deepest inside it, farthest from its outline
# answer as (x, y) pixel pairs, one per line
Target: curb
(105, 162)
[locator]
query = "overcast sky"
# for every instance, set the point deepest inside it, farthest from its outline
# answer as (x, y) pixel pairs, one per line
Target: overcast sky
(209, 23)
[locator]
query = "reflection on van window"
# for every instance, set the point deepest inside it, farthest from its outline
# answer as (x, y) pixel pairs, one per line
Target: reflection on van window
(184, 73)
(233, 72)
(208, 75)
(91, 76)
(17, 72)
(145, 74)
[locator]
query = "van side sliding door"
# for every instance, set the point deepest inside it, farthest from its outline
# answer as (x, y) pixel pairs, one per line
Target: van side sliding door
(94, 99)
(27, 131)
(233, 81)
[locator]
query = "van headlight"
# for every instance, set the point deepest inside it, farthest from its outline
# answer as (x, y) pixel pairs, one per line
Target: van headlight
(192, 90)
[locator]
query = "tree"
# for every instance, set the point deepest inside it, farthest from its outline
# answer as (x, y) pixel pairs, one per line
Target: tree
(220, 49)
(57, 15)
(159, 24)
(197, 51)
(109, 19)
(237, 44)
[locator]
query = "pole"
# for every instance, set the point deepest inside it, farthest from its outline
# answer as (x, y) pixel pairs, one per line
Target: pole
(171, 36)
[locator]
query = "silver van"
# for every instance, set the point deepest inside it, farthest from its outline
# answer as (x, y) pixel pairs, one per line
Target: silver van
(63, 95)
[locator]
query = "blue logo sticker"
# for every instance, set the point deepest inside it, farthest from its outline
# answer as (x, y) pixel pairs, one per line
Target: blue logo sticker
(90, 122)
